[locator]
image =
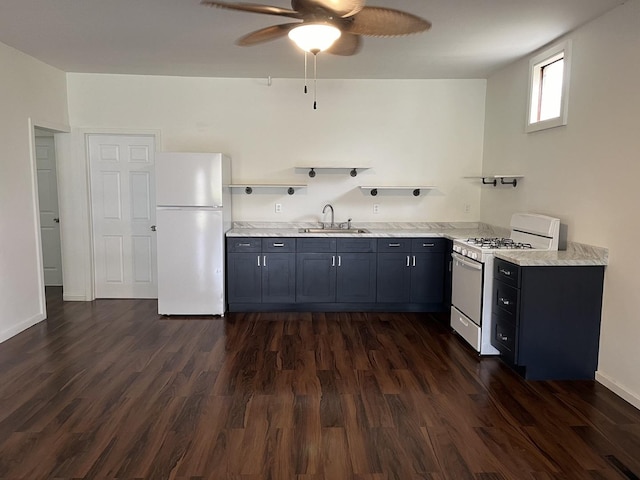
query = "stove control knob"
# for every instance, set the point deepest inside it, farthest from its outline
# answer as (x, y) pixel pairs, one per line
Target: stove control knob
(456, 248)
(474, 255)
(464, 252)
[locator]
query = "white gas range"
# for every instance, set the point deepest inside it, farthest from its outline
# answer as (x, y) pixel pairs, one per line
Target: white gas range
(472, 277)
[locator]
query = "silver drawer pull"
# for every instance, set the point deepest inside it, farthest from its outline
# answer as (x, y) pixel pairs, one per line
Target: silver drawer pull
(278, 244)
(258, 260)
(244, 245)
(407, 260)
(504, 272)
(394, 244)
(502, 337)
(428, 244)
(504, 301)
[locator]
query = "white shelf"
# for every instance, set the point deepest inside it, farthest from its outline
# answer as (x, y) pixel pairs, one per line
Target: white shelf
(353, 171)
(249, 187)
(493, 179)
(373, 189)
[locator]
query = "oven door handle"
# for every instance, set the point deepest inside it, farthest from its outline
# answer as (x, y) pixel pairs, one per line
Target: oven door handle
(467, 263)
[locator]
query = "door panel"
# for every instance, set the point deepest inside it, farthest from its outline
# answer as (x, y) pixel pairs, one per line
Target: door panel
(123, 212)
(49, 216)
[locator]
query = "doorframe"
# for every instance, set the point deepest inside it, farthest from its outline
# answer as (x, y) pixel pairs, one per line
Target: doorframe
(82, 145)
(55, 128)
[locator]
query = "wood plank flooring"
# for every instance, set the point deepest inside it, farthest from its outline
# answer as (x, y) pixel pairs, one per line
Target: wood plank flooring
(110, 390)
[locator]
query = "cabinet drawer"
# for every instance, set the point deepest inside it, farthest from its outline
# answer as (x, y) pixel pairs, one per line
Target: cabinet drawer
(505, 299)
(364, 245)
(244, 244)
(503, 338)
(316, 245)
(429, 245)
(507, 272)
(283, 245)
(394, 245)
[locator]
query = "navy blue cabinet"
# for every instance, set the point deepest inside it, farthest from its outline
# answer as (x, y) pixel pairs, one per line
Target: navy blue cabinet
(261, 270)
(546, 320)
(412, 270)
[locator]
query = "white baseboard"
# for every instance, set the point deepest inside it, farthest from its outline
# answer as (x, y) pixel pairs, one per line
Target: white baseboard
(620, 390)
(20, 327)
(74, 298)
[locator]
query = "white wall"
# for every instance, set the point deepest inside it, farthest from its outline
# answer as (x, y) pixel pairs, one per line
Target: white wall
(410, 132)
(30, 91)
(586, 173)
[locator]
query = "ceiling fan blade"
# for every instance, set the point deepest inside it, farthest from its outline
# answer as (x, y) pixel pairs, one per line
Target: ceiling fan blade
(266, 34)
(347, 44)
(340, 8)
(386, 22)
(253, 8)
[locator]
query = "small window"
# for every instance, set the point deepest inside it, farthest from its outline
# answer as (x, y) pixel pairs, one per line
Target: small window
(549, 88)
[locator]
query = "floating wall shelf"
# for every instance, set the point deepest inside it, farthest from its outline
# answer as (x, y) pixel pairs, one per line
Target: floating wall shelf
(353, 171)
(493, 179)
(249, 187)
(373, 190)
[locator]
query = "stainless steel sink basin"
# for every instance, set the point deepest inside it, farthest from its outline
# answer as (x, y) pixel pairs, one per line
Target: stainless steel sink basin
(333, 230)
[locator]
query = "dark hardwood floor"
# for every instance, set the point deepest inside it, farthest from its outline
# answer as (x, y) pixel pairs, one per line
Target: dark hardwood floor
(108, 389)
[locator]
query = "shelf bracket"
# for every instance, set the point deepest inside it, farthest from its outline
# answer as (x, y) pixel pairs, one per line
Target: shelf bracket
(312, 172)
(513, 182)
(353, 172)
(374, 192)
(248, 190)
(493, 182)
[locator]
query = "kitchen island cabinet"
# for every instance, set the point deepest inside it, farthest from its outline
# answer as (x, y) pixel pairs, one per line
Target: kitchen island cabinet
(546, 319)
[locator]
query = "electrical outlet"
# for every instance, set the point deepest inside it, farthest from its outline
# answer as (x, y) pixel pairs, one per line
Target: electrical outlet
(376, 208)
(278, 208)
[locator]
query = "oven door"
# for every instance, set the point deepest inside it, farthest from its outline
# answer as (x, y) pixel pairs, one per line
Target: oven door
(466, 288)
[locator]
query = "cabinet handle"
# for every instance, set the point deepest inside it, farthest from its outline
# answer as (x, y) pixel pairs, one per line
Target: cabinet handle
(278, 244)
(502, 337)
(244, 245)
(339, 260)
(504, 301)
(414, 261)
(408, 260)
(504, 272)
(428, 244)
(394, 245)
(264, 260)
(333, 261)
(258, 260)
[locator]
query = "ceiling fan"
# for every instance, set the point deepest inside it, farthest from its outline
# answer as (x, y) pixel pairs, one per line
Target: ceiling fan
(343, 20)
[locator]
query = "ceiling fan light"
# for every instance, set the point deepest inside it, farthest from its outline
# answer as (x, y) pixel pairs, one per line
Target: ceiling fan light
(314, 37)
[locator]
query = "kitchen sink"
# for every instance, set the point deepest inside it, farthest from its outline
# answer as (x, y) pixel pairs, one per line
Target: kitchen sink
(333, 230)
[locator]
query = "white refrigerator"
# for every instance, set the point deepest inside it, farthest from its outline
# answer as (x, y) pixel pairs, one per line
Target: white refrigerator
(193, 212)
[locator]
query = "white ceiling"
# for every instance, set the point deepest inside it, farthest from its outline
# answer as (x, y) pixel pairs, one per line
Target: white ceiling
(469, 38)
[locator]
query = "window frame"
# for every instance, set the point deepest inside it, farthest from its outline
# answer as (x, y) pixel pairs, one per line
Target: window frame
(536, 67)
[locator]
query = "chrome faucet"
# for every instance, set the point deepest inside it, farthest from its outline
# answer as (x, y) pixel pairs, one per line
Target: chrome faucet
(324, 209)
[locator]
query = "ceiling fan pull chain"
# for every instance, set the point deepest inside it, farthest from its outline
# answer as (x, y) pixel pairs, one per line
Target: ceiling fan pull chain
(315, 80)
(305, 71)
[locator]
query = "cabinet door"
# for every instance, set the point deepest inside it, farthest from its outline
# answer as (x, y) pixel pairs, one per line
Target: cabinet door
(244, 283)
(316, 277)
(356, 277)
(279, 278)
(393, 277)
(427, 277)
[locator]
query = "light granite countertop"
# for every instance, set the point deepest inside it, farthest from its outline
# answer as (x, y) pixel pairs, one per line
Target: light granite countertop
(576, 254)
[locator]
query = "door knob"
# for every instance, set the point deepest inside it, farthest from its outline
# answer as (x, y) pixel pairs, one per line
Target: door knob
(153, 228)
(57, 220)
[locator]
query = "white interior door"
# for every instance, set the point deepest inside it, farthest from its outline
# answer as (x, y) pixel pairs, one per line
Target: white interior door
(123, 213)
(49, 216)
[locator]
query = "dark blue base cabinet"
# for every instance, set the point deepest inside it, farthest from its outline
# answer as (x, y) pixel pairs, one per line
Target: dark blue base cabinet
(321, 274)
(546, 320)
